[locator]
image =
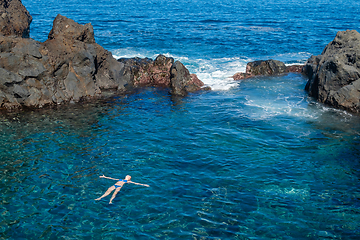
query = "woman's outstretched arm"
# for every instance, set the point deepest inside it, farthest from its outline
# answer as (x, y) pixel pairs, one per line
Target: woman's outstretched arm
(138, 184)
(103, 176)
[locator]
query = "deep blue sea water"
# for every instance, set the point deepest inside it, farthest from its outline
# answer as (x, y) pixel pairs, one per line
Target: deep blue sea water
(253, 159)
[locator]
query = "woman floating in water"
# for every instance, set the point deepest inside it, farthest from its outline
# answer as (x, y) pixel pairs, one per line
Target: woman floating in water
(118, 186)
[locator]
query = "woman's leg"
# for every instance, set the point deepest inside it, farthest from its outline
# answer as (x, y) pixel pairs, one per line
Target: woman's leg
(110, 189)
(114, 194)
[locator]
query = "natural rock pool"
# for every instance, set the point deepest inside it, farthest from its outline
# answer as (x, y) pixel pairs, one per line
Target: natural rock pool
(261, 159)
(254, 159)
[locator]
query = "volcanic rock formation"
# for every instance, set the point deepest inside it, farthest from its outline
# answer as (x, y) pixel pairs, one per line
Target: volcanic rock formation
(70, 65)
(266, 68)
(14, 18)
(67, 67)
(334, 76)
(161, 72)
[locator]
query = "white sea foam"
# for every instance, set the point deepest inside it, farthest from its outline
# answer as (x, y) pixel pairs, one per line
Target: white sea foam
(217, 73)
(264, 107)
(131, 52)
(289, 191)
(271, 99)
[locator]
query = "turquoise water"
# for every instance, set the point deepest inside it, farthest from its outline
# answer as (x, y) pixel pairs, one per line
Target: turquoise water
(255, 159)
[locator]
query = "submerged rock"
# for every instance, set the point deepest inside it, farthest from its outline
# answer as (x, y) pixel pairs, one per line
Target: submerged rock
(334, 76)
(266, 68)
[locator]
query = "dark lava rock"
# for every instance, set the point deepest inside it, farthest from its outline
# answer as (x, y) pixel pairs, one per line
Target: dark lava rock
(295, 68)
(86, 66)
(70, 66)
(334, 76)
(14, 19)
(20, 62)
(147, 72)
(163, 72)
(266, 68)
(182, 82)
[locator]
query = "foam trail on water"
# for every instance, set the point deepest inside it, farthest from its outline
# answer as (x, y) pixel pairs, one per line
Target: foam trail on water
(131, 53)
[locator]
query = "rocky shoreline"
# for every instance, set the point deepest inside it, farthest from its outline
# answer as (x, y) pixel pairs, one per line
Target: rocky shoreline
(70, 67)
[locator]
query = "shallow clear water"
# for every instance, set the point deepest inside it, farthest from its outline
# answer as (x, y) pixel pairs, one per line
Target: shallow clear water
(256, 159)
